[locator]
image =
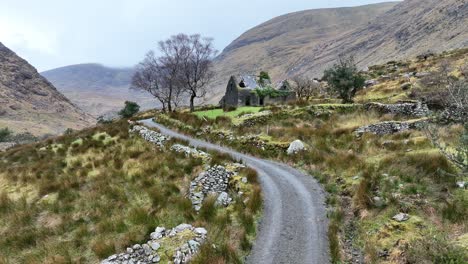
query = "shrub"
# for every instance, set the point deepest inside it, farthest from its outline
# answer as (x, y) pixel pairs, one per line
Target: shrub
(345, 79)
(5, 133)
(456, 209)
(264, 78)
(130, 109)
(435, 249)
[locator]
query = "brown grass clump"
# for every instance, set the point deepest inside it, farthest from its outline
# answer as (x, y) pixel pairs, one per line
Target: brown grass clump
(84, 196)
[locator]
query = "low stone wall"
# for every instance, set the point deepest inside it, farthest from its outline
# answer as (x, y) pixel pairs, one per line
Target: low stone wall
(148, 253)
(416, 109)
(188, 151)
(150, 135)
(390, 127)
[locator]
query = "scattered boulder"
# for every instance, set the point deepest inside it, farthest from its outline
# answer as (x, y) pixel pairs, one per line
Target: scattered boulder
(370, 83)
(401, 217)
(378, 201)
(295, 147)
(422, 74)
(462, 184)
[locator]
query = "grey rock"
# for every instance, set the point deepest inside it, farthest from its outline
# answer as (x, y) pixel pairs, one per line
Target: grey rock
(295, 147)
(223, 199)
(462, 184)
(154, 245)
(401, 217)
(182, 227)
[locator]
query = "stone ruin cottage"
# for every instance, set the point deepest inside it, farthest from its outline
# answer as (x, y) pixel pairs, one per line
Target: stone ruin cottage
(243, 93)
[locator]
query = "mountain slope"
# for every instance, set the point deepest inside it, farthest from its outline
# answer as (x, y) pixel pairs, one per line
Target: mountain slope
(409, 29)
(276, 44)
(29, 103)
(96, 88)
(310, 41)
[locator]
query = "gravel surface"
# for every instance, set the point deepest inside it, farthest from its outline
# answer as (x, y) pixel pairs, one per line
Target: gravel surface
(294, 223)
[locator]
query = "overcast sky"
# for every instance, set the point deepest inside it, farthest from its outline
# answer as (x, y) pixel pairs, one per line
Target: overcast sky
(54, 33)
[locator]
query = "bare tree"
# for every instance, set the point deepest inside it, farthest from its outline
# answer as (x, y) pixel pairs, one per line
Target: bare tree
(452, 94)
(171, 65)
(196, 70)
(148, 78)
(160, 76)
(444, 90)
(183, 68)
(305, 88)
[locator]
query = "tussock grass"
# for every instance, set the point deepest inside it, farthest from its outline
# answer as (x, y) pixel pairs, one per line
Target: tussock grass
(83, 196)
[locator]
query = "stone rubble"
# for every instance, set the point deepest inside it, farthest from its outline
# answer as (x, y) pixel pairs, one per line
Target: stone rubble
(150, 135)
(213, 181)
(147, 253)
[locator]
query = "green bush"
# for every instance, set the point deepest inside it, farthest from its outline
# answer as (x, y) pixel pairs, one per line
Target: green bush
(345, 79)
(130, 109)
(5, 133)
(264, 78)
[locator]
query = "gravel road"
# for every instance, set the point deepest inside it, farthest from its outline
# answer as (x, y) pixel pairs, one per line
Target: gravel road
(294, 225)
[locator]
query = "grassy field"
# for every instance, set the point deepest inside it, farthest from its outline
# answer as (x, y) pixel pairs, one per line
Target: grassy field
(214, 113)
(82, 197)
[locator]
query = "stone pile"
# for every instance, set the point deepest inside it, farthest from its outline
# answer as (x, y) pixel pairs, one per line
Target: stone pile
(150, 135)
(213, 181)
(389, 127)
(416, 109)
(190, 151)
(148, 253)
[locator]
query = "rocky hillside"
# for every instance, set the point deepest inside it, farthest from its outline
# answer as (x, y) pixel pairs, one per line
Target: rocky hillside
(96, 88)
(409, 29)
(308, 42)
(29, 103)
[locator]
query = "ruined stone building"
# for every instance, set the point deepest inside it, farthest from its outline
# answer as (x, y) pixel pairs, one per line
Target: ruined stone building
(243, 93)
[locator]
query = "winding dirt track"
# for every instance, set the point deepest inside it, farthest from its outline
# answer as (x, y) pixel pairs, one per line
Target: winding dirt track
(294, 224)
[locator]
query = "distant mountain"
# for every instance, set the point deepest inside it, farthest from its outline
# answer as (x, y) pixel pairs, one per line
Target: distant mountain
(408, 29)
(308, 42)
(98, 89)
(29, 103)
